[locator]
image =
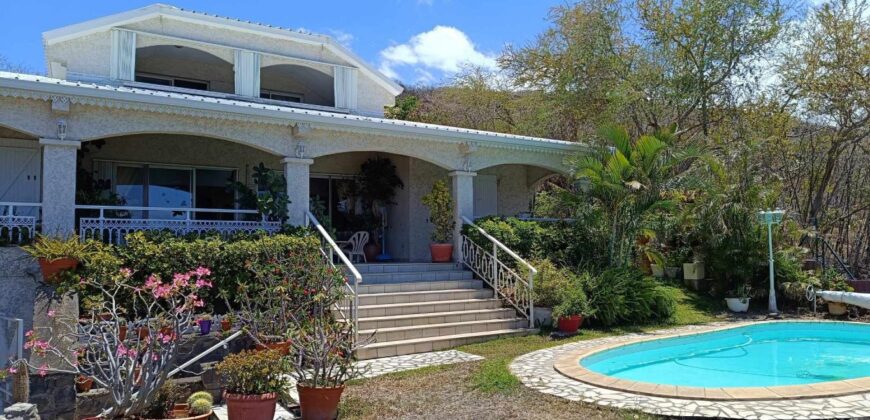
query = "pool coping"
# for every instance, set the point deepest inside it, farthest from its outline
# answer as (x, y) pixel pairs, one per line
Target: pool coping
(570, 366)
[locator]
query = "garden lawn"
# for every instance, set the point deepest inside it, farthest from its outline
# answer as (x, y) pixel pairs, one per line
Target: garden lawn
(486, 389)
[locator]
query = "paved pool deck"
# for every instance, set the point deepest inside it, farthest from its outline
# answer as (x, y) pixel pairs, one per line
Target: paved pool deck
(538, 370)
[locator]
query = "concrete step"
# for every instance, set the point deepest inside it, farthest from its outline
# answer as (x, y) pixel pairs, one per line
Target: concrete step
(441, 330)
(405, 267)
(423, 296)
(411, 276)
(426, 344)
(396, 309)
(435, 318)
(419, 286)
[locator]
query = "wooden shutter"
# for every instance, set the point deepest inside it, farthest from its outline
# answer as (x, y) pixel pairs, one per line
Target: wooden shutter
(345, 84)
(247, 69)
(123, 56)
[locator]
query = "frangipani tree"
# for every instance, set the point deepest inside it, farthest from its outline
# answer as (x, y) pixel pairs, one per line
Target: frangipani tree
(629, 179)
(134, 367)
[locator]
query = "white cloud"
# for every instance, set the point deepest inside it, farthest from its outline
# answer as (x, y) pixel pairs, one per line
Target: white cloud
(342, 37)
(444, 50)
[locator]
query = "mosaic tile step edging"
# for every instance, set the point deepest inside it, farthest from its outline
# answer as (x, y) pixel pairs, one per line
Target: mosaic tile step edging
(536, 371)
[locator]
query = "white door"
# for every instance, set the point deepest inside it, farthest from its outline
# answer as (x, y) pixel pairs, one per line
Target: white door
(20, 172)
(485, 195)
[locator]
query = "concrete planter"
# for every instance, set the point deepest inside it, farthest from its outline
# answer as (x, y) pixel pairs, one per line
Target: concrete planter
(672, 272)
(543, 316)
(657, 270)
(693, 271)
(737, 304)
(837, 308)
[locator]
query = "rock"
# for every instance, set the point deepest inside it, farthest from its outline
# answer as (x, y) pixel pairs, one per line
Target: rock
(21, 411)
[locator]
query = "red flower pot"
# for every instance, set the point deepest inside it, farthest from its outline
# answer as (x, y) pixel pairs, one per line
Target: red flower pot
(226, 325)
(50, 269)
(143, 332)
(441, 252)
(84, 383)
(570, 325)
(282, 347)
(251, 407)
(319, 403)
(122, 332)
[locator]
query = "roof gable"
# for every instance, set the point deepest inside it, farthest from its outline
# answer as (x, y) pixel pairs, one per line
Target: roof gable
(162, 10)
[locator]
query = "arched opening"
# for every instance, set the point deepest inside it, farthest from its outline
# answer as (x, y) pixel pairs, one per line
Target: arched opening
(184, 67)
(296, 83)
(402, 229)
(509, 189)
(169, 171)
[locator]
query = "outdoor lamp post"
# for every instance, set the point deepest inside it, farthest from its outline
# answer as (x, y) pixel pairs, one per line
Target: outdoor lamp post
(770, 218)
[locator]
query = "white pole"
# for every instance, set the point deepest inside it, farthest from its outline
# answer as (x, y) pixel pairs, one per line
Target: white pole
(771, 299)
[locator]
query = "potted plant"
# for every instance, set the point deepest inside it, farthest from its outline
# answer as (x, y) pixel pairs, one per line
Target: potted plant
(378, 181)
(84, 383)
(252, 381)
(204, 323)
(550, 283)
(227, 322)
(739, 302)
(572, 309)
(57, 255)
(695, 269)
(440, 205)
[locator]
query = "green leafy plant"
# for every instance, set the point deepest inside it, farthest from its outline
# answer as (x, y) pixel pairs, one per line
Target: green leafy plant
(269, 198)
(378, 181)
(574, 302)
(440, 205)
(160, 407)
(625, 296)
(51, 249)
(254, 372)
(550, 283)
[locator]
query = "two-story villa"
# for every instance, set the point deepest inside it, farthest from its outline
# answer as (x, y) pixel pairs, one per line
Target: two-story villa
(146, 116)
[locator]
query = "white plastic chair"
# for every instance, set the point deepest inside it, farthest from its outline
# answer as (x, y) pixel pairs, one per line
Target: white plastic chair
(356, 244)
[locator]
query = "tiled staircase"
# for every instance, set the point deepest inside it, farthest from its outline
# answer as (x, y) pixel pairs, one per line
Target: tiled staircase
(421, 307)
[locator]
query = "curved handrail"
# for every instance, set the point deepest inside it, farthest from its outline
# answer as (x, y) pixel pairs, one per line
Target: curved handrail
(357, 277)
(497, 281)
(501, 246)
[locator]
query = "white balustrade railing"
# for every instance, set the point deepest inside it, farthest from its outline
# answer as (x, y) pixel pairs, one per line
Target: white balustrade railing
(506, 282)
(14, 226)
(349, 308)
(11, 348)
(114, 229)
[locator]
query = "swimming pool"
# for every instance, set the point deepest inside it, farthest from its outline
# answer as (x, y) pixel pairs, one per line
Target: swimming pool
(772, 355)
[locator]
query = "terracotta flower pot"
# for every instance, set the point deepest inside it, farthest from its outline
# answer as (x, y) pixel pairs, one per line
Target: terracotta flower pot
(371, 250)
(282, 347)
(51, 269)
(441, 252)
(226, 325)
(319, 403)
(180, 412)
(570, 324)
(122, 332)
(251, 407)
(84, 383)
(143, 332)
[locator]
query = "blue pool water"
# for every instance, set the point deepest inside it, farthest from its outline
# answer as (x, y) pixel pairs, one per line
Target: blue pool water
(770, 354)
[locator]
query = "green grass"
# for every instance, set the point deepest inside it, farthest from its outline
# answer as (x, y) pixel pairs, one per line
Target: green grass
(494, 376)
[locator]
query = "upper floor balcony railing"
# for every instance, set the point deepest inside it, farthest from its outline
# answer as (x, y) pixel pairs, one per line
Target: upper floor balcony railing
(18, 221)
(113, 223)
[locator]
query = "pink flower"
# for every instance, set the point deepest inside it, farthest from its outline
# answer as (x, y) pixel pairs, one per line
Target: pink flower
(152, 282)
(12, 370)
(202, 283)
(43, 370)
(29, 334)
(202, 271)
(126, 272)
(51, 313)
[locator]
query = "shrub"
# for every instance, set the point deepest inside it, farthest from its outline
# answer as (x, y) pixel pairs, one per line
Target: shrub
(551, 282)
(573, 302)
(201, 395)
(163, 401)
(440, 206)
(254, 372)
(625, 296)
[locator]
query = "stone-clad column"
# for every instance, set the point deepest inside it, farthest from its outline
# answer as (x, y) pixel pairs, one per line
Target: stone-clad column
(58, 186)
(296, 173)
(463, 199)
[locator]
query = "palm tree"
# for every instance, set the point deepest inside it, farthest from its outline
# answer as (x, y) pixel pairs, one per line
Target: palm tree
(630, 179)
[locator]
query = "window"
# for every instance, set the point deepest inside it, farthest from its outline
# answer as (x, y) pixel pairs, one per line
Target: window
(337, 198)
(281, 96)
(175, 187)
(162, 80)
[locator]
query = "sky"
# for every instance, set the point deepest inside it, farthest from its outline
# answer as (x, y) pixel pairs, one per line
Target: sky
(412, 41)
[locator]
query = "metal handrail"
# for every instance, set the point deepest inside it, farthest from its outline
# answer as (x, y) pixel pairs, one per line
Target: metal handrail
(172, 209)
(357, 277)
(496, 245)
(208, 351)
